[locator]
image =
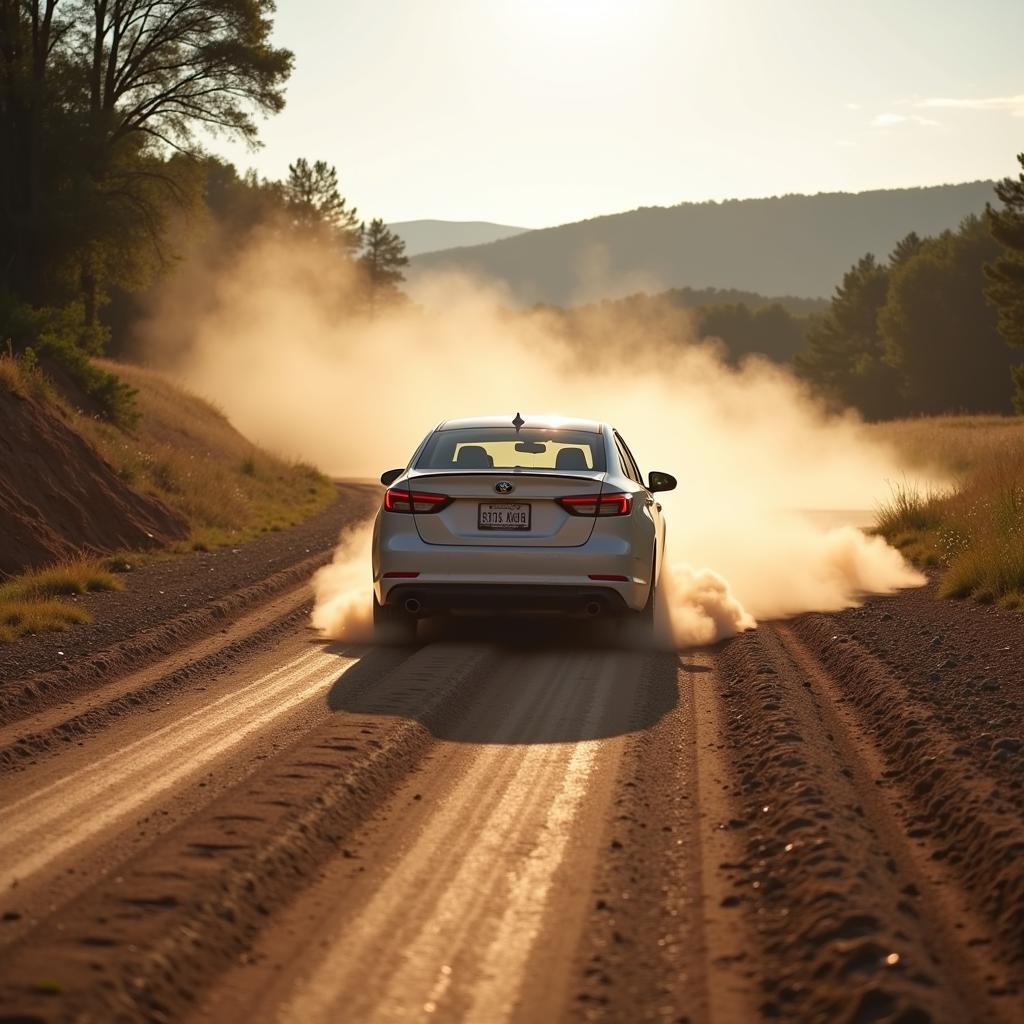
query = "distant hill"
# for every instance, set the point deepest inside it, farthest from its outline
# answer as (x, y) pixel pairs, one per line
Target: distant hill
(786, 245)
(431, 235)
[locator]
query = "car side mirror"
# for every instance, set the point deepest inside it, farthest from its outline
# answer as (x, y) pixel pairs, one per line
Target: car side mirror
(660, 481)
(388, 478)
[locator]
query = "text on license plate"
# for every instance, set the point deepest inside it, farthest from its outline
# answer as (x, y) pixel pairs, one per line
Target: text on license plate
(504, 516)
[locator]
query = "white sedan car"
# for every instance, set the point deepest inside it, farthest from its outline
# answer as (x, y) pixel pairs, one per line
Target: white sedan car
(517, 515)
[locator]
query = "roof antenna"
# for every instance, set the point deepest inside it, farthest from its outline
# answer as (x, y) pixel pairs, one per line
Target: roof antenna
(518, 422)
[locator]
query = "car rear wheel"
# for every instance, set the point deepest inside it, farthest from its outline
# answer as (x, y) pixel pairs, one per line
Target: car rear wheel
(392, 625)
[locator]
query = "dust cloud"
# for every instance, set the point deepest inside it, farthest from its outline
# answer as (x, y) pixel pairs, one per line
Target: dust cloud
(274, 343)
(343, 608)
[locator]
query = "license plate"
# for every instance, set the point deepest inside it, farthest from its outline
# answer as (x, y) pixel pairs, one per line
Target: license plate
(505, 516)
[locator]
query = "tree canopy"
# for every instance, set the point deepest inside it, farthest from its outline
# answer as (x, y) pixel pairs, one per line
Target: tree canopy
(316, 205)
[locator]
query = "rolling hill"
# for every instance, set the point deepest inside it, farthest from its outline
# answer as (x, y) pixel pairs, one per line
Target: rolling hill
(786, 245)
(431, 235)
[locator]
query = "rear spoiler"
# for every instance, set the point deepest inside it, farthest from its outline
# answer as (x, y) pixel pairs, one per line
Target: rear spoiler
(546, 474)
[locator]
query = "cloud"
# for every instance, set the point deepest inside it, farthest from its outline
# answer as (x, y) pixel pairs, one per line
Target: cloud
(890, 120)
(854, 106)
(1012, 105)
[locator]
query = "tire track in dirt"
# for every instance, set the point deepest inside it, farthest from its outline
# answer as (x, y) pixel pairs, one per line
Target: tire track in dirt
(50, 730)
(846, 920)
(46, 824)
(657, 946)
(962, 826)
(142, 942)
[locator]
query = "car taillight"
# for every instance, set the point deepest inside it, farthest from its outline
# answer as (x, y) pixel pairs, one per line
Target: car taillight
(616, 504)
(420, 502)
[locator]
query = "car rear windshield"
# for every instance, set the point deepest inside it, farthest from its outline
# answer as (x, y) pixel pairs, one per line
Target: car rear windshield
(503, 448)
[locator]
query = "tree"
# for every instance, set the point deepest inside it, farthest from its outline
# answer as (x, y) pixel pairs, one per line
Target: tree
(316, 206)
(382, 260)
(845, 355)
(93, 95)
(905, 249)
(165, 68)
(770, 331)
(1006, 272)
(37, 132)
(938, 330)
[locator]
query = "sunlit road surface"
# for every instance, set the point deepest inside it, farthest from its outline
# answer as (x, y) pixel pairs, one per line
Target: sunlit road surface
(48, 823)
(449, 924)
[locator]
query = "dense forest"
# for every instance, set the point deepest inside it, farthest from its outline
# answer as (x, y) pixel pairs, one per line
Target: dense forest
(926, 330)
(108, 112)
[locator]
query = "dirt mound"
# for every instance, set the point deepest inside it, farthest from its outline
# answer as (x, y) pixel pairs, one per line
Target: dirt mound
(59, 498)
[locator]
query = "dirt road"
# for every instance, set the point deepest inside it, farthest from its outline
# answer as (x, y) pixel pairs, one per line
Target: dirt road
(810, 822)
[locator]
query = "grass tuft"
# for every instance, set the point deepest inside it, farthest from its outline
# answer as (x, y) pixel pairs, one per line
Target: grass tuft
(79, 576)
(18, 618)
(29, 603)
(909, 510)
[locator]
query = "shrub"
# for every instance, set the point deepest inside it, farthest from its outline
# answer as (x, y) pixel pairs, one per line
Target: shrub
(61, 336)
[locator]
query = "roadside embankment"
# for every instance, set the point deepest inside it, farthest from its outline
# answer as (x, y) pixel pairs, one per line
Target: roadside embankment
(80, 496)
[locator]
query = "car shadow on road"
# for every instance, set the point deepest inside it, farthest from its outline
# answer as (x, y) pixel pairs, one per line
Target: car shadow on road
(545, 684)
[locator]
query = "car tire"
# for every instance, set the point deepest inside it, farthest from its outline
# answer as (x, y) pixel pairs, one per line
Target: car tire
(392, 625)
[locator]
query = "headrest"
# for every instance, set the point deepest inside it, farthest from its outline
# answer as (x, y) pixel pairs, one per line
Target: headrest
(571, 458)
(474, 456)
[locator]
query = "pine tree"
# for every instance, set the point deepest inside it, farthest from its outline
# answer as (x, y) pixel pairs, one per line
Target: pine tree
(1006, 273)
(317, 206)
(382, 259)
(939, 331)
(845, 354)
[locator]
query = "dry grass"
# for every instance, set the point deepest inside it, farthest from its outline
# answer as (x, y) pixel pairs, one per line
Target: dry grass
(29, 603)
(186, 452)
(25, 618)
(23, 378)
(953, 445)
(975, 530)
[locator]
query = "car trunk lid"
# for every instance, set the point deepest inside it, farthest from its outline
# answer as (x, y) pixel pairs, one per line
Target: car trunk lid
(483, 497)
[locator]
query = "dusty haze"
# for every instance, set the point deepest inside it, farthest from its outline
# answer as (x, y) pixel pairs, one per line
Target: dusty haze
(273, 344)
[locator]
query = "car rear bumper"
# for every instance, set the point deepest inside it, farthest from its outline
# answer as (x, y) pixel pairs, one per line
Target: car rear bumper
(544, 579)
(510, 598)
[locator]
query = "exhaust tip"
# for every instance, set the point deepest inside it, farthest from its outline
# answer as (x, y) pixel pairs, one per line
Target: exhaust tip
(593, 608)
(412, 606)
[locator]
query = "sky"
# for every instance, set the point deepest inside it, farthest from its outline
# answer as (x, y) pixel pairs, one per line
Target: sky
(540, 112)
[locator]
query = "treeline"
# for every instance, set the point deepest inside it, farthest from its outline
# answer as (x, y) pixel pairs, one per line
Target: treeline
(746, 323)
(936, 327)
(105, 106)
